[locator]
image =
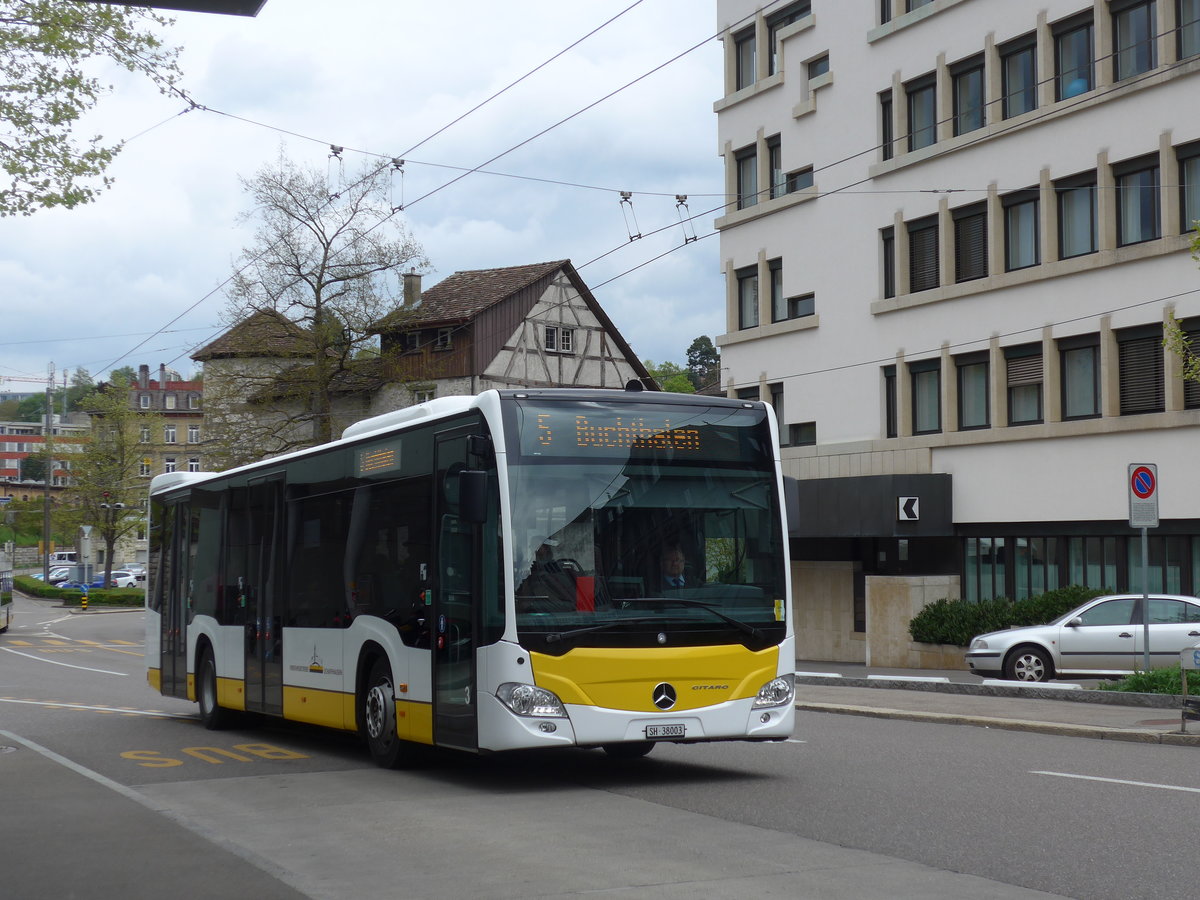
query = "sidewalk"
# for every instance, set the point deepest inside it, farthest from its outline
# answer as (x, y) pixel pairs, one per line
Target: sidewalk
(1075, 709)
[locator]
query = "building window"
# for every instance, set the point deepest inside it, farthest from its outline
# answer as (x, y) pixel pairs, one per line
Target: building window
(974, 410)
(802, 434)
(799, 179)
(775, 267)
(1024, 366)
(800, 306)
(169, 401)
(1191, 387)
(890, 418)
(923, 254)
(193, 434)
(970, 243)
(423, 395)
(559, 339)
(922, 112)
(885, 11)
(193, 402)
(1073, 52)
(144, 401)
(887, 241)
(744, 58)
(968, 95)
(1134, 34)
(1137, 201)
(775, 162)
(410, 342)
(1021, 232)
(1140, 358)
(1189, 184)
(818, 67)
(887, 135)
(168, 434)
(144, 467)
(747, 177)
(1188, 18)
(776, 24)
(144, 434)
(751, 393)
(1080, 361)
(1018, 65)
(444, 336)
(193, 464)
(747, 289)
(169, 464)
(916, 4)
(1076, 216)
(926, 396)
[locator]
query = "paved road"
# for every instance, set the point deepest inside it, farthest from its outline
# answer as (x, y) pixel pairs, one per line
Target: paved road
(117, 792)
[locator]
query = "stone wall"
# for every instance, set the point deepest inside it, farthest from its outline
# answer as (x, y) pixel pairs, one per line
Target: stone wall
(823, 594)
(892, 601)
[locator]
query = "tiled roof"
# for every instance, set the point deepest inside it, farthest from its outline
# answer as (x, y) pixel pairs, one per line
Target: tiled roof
(466, 294)
(265, 333)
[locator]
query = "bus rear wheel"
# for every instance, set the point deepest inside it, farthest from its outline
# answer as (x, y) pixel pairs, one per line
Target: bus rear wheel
(377, 713)
(212, 714)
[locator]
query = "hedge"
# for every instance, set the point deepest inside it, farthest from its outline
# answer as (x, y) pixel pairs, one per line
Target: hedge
(958, 621)
(34, 587)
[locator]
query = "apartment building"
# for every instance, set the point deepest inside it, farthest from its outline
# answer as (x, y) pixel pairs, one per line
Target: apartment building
(955, 230)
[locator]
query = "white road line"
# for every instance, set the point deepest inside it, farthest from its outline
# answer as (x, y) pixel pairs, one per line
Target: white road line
(105, 709)
(68, 665)
(1149, 784)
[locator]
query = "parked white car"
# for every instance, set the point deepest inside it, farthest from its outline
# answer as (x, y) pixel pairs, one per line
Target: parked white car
(1103, 637)
(122, 578)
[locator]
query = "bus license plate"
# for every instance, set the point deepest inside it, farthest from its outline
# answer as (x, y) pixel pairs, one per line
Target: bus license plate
(665, 731)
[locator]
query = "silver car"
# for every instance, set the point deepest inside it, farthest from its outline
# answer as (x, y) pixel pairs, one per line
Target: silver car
(1102, 637)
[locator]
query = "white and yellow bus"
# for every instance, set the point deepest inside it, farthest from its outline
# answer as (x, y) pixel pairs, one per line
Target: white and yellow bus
(483, 573)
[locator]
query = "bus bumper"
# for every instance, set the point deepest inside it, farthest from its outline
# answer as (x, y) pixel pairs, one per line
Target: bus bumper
(589, 726)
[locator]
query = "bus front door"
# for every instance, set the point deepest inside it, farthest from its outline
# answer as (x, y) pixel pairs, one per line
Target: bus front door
(454, 615)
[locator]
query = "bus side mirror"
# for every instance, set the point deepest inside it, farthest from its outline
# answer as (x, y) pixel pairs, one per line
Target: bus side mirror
(473, 495)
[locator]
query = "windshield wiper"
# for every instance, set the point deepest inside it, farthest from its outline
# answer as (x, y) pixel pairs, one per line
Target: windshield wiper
(555, 636)
(744, 627)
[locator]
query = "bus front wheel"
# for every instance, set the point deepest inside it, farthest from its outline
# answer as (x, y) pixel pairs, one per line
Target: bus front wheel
(378, 718)
(212, 714)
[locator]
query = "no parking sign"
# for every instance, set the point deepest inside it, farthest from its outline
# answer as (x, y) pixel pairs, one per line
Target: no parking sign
(1143, 495)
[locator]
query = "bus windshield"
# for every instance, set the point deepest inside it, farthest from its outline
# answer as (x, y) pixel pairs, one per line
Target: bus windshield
(643, 525)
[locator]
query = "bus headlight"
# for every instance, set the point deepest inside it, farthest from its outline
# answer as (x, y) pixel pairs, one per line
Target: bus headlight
(529, 700)
(776, 692)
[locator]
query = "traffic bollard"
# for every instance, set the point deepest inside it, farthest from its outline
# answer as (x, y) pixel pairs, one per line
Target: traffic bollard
(83, 601)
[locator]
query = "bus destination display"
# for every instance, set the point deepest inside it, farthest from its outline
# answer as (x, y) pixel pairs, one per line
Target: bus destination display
(570, 431)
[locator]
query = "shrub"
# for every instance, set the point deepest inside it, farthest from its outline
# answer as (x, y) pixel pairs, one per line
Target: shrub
(1157, 681)
(957, 621)
(34, 587)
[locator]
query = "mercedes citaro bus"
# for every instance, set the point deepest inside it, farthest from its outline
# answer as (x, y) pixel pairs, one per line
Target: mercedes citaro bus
(482, 573)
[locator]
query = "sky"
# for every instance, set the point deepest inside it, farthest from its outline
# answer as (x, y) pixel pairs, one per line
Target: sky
(135, 277)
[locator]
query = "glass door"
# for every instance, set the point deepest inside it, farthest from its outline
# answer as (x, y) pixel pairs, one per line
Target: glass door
(454, 612)
(263, 592)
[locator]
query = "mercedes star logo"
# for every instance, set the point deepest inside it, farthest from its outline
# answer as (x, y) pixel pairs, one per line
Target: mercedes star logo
(664, 696)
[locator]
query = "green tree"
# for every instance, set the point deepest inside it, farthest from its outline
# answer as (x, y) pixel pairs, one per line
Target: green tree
(330, 265)
(108, 488)
(703, 363)
(1178, 341)
(48, 52)
(670, 376)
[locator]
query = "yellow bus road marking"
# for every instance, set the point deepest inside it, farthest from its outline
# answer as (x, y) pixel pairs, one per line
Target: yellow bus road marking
(21, 643)
(68, 665)
(84, 707)
(216, 756)
(55, 643)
